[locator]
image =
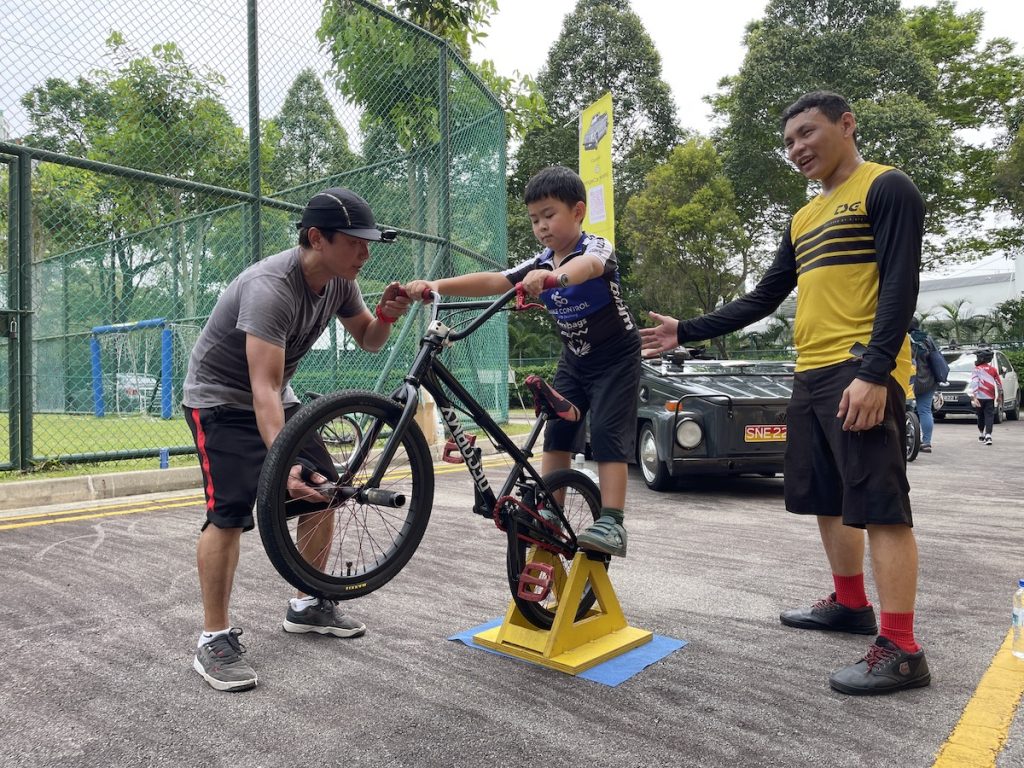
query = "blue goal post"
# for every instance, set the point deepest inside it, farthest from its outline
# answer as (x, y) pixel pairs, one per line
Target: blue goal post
(166, 361)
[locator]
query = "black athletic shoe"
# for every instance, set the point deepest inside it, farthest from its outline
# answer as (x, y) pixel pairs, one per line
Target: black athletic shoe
(833, 616)
(323, 618)
(885, 668)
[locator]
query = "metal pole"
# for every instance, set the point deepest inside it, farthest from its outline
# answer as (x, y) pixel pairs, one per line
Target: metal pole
(13, 358)
(444, 224)
(25, 304)
(256, 239)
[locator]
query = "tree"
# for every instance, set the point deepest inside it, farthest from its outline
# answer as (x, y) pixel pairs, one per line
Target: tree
(603, 46)
(979, 88)
(860, 48)
(154, 113)
(917, 80)
(310, 142)
(687, 234)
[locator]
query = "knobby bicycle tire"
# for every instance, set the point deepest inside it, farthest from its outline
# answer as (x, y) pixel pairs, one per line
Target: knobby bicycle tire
(357, 545)
(582, 505)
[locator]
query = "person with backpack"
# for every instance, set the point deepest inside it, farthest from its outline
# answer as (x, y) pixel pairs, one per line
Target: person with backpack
(925, 380)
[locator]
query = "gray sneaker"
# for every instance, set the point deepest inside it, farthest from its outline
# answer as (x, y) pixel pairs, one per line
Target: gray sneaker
(323, 618)
(605, 535)
(221, 664)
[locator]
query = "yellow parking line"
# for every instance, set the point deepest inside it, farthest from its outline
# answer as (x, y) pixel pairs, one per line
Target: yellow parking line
(130, 508)
(72, 516)
(121, 505)
(979, 737)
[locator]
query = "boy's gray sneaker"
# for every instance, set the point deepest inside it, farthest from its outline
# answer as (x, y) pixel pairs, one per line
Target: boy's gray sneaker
(221, 664)
(605, 535)
(323, 618)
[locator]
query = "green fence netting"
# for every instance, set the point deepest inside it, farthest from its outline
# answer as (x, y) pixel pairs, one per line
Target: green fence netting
(150, 153)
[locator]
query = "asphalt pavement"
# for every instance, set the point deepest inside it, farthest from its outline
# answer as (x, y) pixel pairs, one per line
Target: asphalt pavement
(101, 612)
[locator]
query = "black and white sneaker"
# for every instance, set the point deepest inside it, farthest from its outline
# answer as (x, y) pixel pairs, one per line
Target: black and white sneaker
(221, 664)
(323, 618)
(988, 439)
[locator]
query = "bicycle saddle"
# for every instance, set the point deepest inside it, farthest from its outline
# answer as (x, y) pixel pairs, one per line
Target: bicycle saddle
(546, 399)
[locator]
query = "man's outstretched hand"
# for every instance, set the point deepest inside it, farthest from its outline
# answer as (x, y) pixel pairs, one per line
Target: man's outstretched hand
(660, 338)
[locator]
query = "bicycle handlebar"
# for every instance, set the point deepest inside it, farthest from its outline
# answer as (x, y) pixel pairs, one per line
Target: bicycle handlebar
(490, 308)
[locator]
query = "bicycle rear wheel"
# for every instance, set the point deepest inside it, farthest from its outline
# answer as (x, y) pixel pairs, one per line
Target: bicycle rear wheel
(582, 506)
(360, 541)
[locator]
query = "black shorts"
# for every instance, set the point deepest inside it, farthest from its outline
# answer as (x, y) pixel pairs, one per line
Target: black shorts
(859, 475)
(231, 454)
(607, 389)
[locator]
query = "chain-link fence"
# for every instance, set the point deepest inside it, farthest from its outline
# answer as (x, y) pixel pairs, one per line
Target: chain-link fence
(150, 152)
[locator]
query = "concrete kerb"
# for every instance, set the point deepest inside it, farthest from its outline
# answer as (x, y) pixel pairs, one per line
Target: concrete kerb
(30, 494)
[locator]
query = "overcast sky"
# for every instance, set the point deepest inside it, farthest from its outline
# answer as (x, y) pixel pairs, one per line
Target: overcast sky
(699, 43)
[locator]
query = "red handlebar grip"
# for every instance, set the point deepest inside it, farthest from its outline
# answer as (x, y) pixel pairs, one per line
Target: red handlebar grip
(550, 282)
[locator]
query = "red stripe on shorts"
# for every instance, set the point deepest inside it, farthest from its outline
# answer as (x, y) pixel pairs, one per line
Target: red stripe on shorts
(204, 459)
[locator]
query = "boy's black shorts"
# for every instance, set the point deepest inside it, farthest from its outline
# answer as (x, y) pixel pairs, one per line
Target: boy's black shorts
(859, 475)
(608, 390)
(231, 455)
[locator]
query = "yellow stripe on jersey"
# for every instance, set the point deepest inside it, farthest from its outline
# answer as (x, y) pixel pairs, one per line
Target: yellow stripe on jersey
(837, 275)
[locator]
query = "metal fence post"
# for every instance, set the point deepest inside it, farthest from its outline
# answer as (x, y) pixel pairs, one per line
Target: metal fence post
(13, 356)
(25, 305)
(256, 238)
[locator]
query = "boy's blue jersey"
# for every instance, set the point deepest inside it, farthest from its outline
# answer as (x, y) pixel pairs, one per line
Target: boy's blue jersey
(588, 315)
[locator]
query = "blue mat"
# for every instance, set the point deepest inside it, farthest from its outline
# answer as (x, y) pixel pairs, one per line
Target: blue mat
(612, 672)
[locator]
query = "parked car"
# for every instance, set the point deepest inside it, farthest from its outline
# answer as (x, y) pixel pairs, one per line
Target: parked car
(596, 130)
(952, 397)
(132, 384)
(711, 417)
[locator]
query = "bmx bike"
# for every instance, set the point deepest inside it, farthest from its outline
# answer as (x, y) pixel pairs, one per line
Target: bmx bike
(374, 509)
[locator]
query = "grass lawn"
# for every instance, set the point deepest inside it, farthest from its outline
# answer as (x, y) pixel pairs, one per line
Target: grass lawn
(64, 434)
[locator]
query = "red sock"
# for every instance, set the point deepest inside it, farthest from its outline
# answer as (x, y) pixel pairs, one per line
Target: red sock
(899, 627)
(850, 591)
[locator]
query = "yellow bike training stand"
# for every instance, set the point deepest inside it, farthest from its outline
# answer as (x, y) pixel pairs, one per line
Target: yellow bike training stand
(569, 646)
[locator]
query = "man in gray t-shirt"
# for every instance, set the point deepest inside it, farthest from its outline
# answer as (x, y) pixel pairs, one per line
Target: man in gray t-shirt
(237, 398)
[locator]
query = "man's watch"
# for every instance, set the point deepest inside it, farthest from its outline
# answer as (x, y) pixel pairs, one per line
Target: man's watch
(563, 279)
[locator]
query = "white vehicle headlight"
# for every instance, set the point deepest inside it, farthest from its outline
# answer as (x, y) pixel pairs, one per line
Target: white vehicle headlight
(688, 433)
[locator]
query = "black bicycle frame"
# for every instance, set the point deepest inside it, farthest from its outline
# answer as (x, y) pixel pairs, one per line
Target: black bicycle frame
(430, 373)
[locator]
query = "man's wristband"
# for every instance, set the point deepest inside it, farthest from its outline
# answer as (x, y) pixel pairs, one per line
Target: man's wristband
(382, 317)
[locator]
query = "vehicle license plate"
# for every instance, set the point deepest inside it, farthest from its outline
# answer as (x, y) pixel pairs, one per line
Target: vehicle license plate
(764, 433)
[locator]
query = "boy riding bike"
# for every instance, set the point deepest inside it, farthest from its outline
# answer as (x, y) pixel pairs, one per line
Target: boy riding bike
(599, 368)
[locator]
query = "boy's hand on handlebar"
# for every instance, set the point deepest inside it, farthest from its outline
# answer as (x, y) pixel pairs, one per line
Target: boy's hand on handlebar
(420, 290)
(660, 338)
(533, 283)
(299, 489)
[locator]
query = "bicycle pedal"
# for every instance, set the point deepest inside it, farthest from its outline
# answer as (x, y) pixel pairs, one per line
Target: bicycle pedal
(535, 582)
(451, 453)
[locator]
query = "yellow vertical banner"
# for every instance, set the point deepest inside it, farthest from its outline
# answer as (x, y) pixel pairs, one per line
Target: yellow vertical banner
(596, 168)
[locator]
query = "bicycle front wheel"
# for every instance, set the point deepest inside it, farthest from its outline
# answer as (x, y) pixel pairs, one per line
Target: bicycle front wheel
(581, 503)
(364, 537)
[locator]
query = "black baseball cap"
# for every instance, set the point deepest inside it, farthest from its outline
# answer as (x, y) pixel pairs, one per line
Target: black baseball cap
(343, 210)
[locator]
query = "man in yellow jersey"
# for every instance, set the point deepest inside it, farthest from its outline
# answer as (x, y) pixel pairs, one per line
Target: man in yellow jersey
(853, 253)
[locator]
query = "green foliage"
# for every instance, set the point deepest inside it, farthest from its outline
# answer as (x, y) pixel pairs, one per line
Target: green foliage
(1016, 358)
(1010, 314)
(519, 395)
(686, 234)
(916, 80)
(602, 47)
(309, 141)
(860, 49)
